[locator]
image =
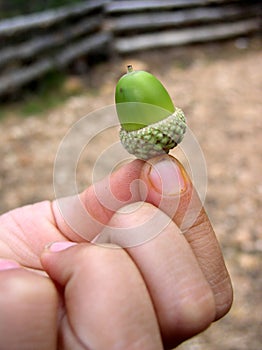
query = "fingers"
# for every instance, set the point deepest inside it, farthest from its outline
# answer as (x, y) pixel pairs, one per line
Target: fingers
(164, 183)
(182, 297)
(107, 303)
(170, 188)
(28, 304)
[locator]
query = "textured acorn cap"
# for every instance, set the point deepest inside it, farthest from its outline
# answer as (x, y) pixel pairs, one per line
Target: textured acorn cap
(157, 138)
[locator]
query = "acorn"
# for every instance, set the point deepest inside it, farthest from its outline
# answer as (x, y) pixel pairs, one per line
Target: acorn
(150, 123)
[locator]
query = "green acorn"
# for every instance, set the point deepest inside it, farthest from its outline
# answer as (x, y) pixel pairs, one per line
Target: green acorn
(150, 123)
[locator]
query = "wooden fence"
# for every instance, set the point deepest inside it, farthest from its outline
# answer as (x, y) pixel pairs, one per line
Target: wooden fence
(34, 44)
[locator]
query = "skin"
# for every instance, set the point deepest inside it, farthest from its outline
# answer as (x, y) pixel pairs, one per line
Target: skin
(73, 294)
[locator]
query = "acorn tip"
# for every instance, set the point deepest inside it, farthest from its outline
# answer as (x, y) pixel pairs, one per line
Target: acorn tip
(130, 68)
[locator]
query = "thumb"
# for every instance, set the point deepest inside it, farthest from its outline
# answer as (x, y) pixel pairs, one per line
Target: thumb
(169, 188)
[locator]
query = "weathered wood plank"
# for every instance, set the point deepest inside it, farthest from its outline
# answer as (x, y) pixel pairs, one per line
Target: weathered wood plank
(47, 18)
(23, 75)
(181, 17)
(185, 36)
(117, 6)
(33, 47)
(56, 48)
(82, 47)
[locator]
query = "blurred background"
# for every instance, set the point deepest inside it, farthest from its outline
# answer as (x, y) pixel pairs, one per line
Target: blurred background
(61, 59)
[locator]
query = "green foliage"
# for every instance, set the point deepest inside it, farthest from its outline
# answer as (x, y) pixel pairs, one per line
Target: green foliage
(48, 93)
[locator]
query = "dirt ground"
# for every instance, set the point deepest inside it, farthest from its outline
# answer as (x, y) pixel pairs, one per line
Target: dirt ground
(219, 88)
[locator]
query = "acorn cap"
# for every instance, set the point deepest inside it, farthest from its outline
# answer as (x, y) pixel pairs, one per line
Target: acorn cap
(157, 138)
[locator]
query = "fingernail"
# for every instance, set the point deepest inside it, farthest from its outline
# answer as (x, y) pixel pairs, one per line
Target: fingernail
(167, 177)
(59, 246)
(6, 264)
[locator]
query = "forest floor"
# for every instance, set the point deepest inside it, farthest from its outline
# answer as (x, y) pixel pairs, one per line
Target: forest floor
(219, 88)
